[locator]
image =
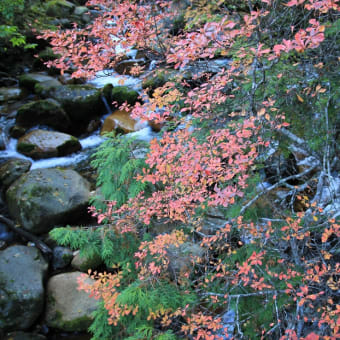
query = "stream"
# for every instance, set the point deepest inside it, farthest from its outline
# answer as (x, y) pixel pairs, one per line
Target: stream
(87, 143)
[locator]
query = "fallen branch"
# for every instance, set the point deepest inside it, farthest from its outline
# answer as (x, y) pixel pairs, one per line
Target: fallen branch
(26, 235)
(274, 186)
(237, 296)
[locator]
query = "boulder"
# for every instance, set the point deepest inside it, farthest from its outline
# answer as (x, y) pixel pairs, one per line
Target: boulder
(43, 198)
(122, 94)
(159, 77)
(44, 56)
(80, 10)
(84, 263)
(22, 270)
(62, 257)
(59, 8)
(119, 121)
(17, 131)
(9, 94)
(43, 88)
(29, 80)
(68, 308)
(44, 144)
(43, 112)
(81, 102)
(6, 235)
(11, 170)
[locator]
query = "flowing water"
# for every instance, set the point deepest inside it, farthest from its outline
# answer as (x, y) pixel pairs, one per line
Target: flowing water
(88, 143)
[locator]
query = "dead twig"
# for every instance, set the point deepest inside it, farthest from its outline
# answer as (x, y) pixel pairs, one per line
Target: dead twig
(26, 235)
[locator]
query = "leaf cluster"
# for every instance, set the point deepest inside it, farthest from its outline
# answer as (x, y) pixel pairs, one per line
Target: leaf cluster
(118, 162)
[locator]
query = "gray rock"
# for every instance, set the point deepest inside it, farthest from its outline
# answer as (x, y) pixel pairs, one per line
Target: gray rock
(43, 112)
(80, 10)
(68, 308)
(22, 270)
(62, 257)
(6, 235)
(84, 263)
(59, 8)
(9, 94)
(45, 144)
(17, 131)
(29, 80)
(43, 198)
(43, 88)
(12, 169)
(81, 102)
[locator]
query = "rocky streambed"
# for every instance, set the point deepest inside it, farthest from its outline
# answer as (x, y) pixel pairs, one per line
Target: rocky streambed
(49, 129)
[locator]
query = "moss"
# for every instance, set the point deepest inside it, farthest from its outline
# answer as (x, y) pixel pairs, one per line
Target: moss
(41, 111)
(46, 55)
(70, 146)
(25, 147)
(79, 324)
(120, 94)
(107, 92)
(44, 89)
(59, 8)
(158, 80)
(79, 101)
(37, 190)
(27, 82)
(178, 24)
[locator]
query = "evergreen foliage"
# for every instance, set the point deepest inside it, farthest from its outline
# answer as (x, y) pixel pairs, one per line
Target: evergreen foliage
(117, 163)
(269, 269)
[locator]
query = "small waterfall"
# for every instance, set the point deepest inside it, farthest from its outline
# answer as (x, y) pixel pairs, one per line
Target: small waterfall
(111, 77)
(152, 65)
(107, 106)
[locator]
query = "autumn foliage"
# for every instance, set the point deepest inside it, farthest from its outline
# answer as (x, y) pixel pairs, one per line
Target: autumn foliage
(278, 275)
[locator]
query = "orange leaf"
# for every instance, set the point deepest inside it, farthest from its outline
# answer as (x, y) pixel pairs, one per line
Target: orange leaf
(299, 98)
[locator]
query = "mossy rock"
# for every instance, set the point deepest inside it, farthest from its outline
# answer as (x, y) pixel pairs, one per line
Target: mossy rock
(81, 102)
(107, 92)
(43, 198)
(80, 10)
(68, 308)
(43, 112)
(121, 94)
(29, 80)
(17, 131)
(12, 169)
(42, 89)
(44, 144)
(25, 148)
(22, 270)
(158, 78)
(59, 8)
(9, 94)
(44, 56)
(84, 262)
